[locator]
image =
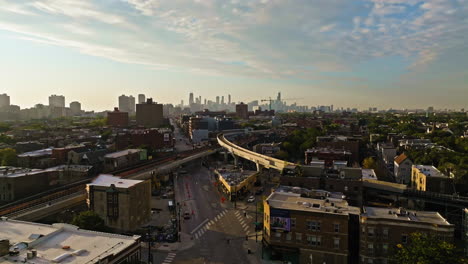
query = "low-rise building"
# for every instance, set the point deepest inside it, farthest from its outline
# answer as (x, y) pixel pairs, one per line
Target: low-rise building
(328, 155)
(402, 167)
(18, 183)
(305, 230)
(38, 159)
(122, 159)
(428, 178)
(154, 138)
(382, 229)
(123, 204)
(268, 149)
(236, 182)
(117, 118)
(27, 242)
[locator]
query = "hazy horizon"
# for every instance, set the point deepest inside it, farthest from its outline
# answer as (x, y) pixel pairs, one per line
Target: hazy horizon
(373, 53)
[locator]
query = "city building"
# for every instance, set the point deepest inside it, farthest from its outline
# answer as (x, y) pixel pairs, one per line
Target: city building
(242, 111)
(75, 108)
(328, 155)
(269, 149)
(4, 101)
(388, 152)
(91, 157)
(191, 101)
(57, 101)
(306, 230)
(154, 138)
(382, 229)
(131, 105)
(149, 114)
(402, 168)
(347, 143)
(430, 179)
(123, 204)
(61, 154)
(236, 182)
(38, 159)
(18, 183)
(141, 98)
(117, 118)
(27, 242)
(122, 159)
(124, 103)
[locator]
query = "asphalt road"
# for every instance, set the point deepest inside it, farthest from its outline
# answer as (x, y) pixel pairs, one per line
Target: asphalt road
(212, 223)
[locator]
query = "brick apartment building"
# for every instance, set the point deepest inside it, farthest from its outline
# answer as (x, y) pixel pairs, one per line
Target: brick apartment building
(117, 118)
(328, 155)
(149, 114)
(383, 228)
(305, 230)
(153, 138)
(123, 204)
(428, 178)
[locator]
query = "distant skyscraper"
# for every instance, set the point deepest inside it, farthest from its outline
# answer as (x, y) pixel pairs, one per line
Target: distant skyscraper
(124, 103)
(141, 98)
(430, 109)
(75, 108)
(217, 100)
(279, 97)
(131, 104)
(57, 100)
(205, 102)
(4, 100)
(229, 99)
(199, 99)
(222, 99)
(182, 103)
(190, 101)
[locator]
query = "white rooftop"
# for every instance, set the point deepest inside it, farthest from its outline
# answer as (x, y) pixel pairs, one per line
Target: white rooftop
(121, 153)
(404, 215)
(105, 180)
(429, 170)
(51, 241)
(368, 174)
(294, 201)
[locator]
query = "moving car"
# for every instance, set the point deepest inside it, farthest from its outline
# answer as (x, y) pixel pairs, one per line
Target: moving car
(186, 215)
(251, 199)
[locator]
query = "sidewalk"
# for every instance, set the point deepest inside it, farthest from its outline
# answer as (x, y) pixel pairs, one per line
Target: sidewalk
(186, 243)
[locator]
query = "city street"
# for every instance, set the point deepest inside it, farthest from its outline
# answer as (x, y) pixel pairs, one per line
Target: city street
(218, 229)
(182, 143)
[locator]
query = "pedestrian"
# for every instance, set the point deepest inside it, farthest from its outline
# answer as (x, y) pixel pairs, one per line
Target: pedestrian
(245, 214)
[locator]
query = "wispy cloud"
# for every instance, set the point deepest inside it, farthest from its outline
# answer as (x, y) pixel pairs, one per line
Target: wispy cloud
(274, 39)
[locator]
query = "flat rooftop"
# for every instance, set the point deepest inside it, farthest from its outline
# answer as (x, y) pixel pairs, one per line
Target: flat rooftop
(430, 171)
(106, 180)
(369, 174)
(11, 172)
(293, 201)
(121, 153)
(37, 153)
(404, 215)
(235, 176)
(49, 241)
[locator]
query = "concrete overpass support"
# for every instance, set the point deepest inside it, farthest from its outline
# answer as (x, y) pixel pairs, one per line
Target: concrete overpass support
(236, 160)
(259, 167)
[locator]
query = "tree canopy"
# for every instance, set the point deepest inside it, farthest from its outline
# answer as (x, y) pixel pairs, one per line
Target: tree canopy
(427, 249)
(89, 220)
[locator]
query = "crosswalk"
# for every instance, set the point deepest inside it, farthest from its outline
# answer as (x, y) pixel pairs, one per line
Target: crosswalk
(241, 219)
(208, 225)
(170, 257)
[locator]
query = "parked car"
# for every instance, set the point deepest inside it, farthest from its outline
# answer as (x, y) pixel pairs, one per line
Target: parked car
(251, 199)
(259, 191)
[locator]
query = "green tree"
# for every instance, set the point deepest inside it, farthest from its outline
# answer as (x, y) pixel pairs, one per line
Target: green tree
(369, 163)
(89, 220)
(427, 249)
(8, 157)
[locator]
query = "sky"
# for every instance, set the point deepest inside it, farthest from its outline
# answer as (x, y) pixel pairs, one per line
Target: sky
(380, 53)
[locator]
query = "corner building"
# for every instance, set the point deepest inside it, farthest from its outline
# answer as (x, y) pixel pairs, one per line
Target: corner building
(305, 230)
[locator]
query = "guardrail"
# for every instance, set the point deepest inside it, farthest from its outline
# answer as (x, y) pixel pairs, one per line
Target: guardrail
(265, 161)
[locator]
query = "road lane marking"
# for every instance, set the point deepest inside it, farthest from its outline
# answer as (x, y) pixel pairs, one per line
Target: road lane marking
(200, 225)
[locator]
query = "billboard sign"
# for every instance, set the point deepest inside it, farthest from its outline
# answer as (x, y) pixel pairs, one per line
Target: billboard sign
(280, 220)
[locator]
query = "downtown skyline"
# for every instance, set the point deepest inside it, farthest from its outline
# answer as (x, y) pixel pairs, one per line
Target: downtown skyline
(390, 54)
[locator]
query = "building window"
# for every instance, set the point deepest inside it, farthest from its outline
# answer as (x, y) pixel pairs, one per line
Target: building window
(113, 204)
(313, 225)
(336, 243)
(278, 235)
(384, 248)
(370, 248)
(293, 222)
(314, 240)
(370, 232)
(298, 236)
(385, 233)
(404, 239)
(336, 227)
(288, 236)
